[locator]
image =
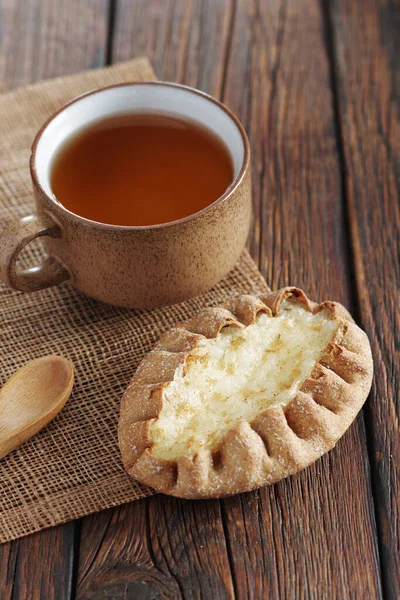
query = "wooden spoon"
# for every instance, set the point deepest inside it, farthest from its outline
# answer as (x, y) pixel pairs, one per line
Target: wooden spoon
(31, 398)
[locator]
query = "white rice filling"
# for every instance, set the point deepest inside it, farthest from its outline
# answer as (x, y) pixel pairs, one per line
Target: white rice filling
(238, 375)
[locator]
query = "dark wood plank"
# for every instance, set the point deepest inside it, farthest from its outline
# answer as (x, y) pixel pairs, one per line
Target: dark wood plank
(367, 58)
(39, 566)
(312, 536)
(186, 40)
(40, 39)
(285, 101)
(155, 548)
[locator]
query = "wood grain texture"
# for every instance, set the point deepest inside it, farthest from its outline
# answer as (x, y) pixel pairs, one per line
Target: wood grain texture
(367, 58)
(312, 536)
(155, 548)
(40, 39)
(187, 41)
(39, 566)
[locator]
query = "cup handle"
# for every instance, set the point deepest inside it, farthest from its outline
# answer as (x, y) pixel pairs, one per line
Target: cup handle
(13, 238)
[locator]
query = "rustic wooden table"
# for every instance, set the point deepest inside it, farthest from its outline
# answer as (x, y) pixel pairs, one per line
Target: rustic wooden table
(317, 86)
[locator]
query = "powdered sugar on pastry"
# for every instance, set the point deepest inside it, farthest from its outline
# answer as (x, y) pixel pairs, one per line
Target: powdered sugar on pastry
(238, 375)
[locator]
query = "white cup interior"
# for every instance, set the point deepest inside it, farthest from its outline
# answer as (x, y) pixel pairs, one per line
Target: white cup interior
(130, 98)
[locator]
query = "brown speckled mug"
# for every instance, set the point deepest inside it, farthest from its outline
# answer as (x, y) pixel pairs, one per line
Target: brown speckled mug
(132, 266)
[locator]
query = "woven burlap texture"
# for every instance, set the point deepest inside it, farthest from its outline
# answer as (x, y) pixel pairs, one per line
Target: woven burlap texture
(73, 467)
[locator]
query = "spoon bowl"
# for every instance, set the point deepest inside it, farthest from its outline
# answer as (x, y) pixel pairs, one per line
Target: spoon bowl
(31, 398)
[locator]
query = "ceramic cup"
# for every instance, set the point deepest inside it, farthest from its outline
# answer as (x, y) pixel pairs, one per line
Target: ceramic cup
(132, 266)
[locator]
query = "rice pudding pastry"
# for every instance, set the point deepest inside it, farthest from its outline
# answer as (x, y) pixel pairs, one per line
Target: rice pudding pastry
(244, 394)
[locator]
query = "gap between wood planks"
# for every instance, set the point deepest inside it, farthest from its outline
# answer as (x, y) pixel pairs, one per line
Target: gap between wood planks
(112, 16)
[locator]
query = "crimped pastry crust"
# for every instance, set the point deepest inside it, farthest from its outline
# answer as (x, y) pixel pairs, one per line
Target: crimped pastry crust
(278, 442)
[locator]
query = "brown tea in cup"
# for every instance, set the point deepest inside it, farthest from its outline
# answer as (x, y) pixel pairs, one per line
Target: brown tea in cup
(140, 169)
(149, 265)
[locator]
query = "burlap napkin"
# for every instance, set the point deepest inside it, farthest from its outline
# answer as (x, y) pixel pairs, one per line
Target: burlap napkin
(73, 467)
